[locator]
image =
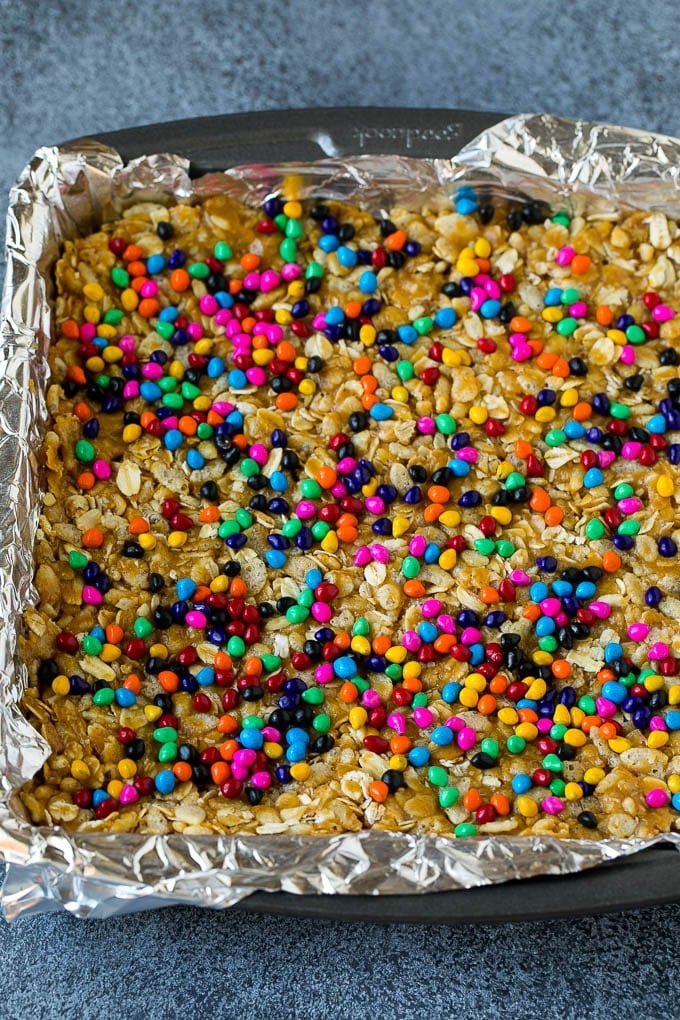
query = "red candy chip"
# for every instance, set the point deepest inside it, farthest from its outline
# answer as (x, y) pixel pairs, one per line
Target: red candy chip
(201, 703)
(229, 700)
(82, 798)
(106, 808)
(66, 642)
(376, 744)
(144, 785)
(135, 649)
(170, 507)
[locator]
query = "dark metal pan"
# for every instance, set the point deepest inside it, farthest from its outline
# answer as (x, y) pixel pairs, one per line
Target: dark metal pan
(215, 143)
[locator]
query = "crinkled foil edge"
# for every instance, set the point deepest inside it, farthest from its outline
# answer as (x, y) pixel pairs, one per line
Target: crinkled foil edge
(70, 190)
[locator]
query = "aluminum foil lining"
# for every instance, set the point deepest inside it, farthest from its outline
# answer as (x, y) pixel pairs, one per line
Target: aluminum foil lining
(68, 191)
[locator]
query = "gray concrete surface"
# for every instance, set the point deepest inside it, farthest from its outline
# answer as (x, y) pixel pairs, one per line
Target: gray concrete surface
(72, 68)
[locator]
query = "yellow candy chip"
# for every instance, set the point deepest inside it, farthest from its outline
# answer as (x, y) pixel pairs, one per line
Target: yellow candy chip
(657, 738)
(569, 397)
(176, 539)
(152, 712)
(176, 369)
(300, 363)
(542, 658)
(448, 558)
(127, 768)
(91, 314)
(131, 433)
(80, 770)
(573, 791)
(468, 697)
(262, 358)
(307, 387)
(508, 716)
(450, 519)
(396, 653)
(411, 670)
(111, 354)
(452, 359)
(367, 335)
(400, 394)
(575, 738)
(561, 715)
(400, 525)
(129, 299)
(147, 540)
(674, 694)
(330, 542)
(545, 414)
(551, 314)
(665, 485)
(203, 346)
(501, 514)
(108, 332)
(370, 488)
(618, 336)
(61, 685)
(114, 788)
(527, 731)
(527, 806)
(296, 289)
(293, 209)
(537, 689)
(299, 771)
(93, 292)
(110, 653)
(654, 683)
(202, 403)
(478, 414)
(674, 782)
(360, 644)
(95, 364)
(619, 744)
(594, 776)
(220, 583)
(398, 762)
(467, 267)
(482, 248)
(272, 749)
(158, 651)
(476, 681)
(357, 717)
(283, 317)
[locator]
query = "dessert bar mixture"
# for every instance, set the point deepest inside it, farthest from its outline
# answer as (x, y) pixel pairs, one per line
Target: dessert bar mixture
(361, 518)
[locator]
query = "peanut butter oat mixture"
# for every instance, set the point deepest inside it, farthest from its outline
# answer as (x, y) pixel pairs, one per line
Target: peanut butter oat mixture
(361, 519)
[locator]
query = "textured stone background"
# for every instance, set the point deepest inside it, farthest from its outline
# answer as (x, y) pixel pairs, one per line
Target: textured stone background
(73, 68)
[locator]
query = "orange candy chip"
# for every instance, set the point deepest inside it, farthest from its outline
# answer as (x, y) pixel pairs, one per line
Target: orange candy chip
(378, 791)
(92, 538)
(70, 329)
(580, 264)
(179, 280)
(554, 515)
(182, 771)
(86, 480)
(138, 526)
(540, 501)
(611, 562)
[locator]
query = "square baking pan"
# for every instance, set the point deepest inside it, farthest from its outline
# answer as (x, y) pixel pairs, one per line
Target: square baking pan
(216, 143)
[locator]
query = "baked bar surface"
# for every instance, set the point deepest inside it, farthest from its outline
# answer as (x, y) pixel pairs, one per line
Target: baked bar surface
(361, 519)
